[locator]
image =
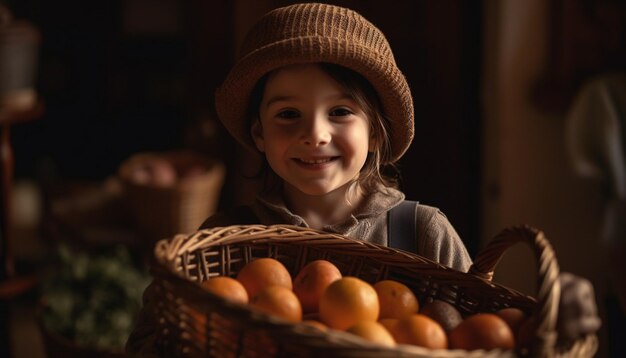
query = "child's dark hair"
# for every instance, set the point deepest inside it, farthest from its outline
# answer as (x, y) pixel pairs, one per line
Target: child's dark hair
(363, 93)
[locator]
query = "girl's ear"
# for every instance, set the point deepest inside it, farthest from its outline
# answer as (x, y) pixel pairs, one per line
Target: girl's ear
(256, 131)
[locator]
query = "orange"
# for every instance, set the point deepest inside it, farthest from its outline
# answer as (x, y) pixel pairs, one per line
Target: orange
(312, 280)
(279, 301)
(347, 301)
(388, 323)
(420, 330)
(264, 272)
(482, 331)
(373, 332)
(514, 317)
(396, 299)
(228, 288)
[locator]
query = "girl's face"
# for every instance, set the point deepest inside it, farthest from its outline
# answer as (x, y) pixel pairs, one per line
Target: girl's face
(314, 136)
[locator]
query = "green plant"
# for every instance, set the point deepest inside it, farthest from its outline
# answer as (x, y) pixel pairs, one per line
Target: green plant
(91, 299)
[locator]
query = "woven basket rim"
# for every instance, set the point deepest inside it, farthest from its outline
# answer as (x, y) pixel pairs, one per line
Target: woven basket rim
(183, 242)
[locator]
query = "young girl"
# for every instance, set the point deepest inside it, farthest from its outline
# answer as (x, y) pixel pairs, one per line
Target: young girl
(317, 92)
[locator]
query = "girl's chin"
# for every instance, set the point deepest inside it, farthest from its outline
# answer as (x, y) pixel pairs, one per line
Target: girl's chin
(310, 190)
(319, 191)
(315, 192)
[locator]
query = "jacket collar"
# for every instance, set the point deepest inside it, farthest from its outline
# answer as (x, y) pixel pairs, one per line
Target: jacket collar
(372, 207)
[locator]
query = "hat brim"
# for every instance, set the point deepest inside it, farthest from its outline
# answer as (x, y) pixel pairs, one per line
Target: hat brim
(233, 96)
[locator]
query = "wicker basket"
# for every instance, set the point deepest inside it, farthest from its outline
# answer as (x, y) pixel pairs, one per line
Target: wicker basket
(162, 211)
(226, 329)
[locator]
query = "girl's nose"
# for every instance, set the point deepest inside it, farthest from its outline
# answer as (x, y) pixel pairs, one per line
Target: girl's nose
(316, 131)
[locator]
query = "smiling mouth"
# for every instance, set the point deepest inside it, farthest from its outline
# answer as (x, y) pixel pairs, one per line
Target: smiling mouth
(315, 161)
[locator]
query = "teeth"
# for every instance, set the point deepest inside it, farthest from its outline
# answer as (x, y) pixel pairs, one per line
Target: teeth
(316, 161)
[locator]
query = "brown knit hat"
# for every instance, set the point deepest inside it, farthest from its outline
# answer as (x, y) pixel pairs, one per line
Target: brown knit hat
(309, 33)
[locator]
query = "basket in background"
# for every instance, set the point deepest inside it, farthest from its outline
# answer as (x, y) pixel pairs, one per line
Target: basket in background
(193, 322)
(171, 192)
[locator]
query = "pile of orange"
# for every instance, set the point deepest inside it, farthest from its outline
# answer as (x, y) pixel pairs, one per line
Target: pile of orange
(387, 312)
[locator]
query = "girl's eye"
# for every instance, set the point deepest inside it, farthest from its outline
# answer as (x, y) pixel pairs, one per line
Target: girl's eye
(340, 112)
(288, 114)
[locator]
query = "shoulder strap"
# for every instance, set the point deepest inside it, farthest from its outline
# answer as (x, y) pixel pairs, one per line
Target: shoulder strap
(401, 227)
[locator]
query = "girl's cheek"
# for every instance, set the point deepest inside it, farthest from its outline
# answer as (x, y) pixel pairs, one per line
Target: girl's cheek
(282, 131)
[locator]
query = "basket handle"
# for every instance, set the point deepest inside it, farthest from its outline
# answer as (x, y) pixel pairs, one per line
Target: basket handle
(549, 288)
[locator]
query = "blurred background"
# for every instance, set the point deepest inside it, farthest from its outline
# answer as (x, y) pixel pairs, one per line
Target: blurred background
(494, 84)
